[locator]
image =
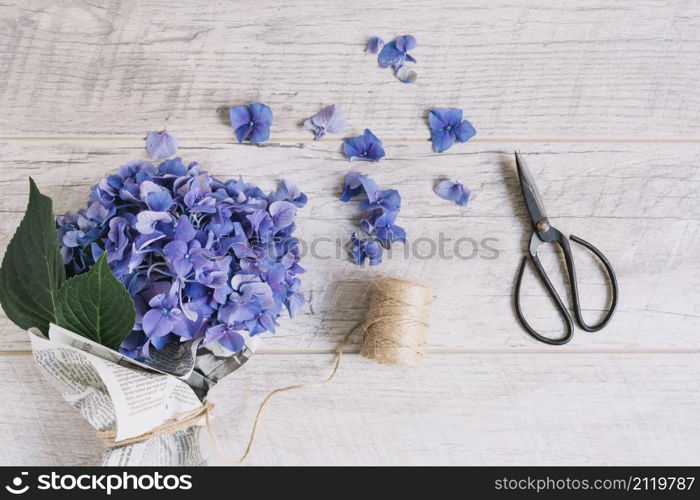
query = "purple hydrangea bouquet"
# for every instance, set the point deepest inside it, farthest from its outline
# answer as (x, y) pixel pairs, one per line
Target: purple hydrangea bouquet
(168, 273)
(202, 259)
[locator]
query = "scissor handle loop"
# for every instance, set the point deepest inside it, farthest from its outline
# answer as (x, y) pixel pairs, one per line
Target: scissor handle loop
(574, 286)
(563, 243)
(552, 293)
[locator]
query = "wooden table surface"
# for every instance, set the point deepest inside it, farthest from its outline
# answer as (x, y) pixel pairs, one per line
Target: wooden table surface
(603, 97)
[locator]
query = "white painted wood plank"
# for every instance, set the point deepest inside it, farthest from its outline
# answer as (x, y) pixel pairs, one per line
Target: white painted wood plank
(519, 69)
(504, 409)
(638, 203)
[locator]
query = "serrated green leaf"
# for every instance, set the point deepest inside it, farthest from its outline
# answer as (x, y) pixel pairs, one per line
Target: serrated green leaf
(32, 270)
(97, 306)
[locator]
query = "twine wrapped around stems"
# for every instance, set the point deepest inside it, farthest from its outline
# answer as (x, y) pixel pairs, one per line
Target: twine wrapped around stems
(182, 422)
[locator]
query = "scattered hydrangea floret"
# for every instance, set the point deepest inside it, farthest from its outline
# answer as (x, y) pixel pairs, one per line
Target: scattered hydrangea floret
(203, 259)
(379, 227)
(251, 122)
(363, 147)
(160, 145)
(395, 53)
(330, 119)
(447, 126)
(373, 44)
(451, 190)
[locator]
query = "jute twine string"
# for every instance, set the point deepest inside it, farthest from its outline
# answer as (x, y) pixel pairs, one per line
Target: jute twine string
(396, 326)
(182, 422)
(395, 332)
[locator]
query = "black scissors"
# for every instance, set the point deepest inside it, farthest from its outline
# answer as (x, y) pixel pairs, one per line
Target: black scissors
(545, 233)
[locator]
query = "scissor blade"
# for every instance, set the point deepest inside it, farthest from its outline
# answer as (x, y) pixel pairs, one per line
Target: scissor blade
(533, 201)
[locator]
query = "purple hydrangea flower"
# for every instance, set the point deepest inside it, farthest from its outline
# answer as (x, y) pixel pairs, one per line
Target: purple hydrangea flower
(364, 147)
(447, 126)
(373, 44)
(452, 190)
(251, 122)
(160, 145)
(382, 208)
(355, 184)
(201, 258)
(395, 53)
(329, 119)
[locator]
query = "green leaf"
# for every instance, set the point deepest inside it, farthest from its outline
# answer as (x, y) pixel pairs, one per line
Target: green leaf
(97, 306)
(32, 270)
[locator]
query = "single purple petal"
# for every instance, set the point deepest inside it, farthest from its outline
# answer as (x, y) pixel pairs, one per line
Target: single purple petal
(160, 145)
(352, 187)
(465, 131)
(237, 312)
(72, 239)
(267, 322)
(294, 303)
(354, 147)
(260, 133)
(375, 152)
(373, 251)
(336, 123)
(288, 191)
(239, 116)
(159, 201)
(373, 44)
(146, 221)
(188, 328)
(175, 254)
(233, 341)
(370, 187)
(214, 333)
(452, 190)
(172, 168)
(329, 119)
(282, 213)
(442, 140)
(184, 231)
(156, 323)
(406, 43)
(438, 119)
(243, 131)
(453, 118)
(261, 114)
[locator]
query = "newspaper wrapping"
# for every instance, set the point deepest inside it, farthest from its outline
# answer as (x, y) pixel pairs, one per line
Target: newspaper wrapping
(114, 392)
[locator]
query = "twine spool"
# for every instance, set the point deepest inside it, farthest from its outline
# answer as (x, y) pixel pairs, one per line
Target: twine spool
(396, 326)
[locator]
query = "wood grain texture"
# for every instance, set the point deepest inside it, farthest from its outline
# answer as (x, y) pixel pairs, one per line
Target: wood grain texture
(518, 409)
(603, 97)
(638, 203)
(519, 68)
